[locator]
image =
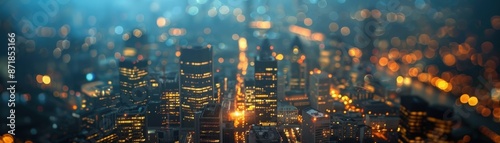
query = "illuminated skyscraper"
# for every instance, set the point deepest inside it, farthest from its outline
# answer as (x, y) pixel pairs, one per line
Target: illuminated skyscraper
(249, 95)
(133, 81)
(266, 86)
(196, 82)
(319, 91)
(131, 125)
(298, 66)
(170, 98)
(412, 117)
(439, 124)
(99, 124)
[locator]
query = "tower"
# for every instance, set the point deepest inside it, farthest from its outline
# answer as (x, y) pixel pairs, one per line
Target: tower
(196, 82)
(266, 86)
(133, 82)
(298, 66)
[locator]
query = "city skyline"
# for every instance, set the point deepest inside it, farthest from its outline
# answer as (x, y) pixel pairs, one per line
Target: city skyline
(245, 71)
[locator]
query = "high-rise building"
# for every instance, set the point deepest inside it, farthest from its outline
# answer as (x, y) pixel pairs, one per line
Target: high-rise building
(131, 125)
(380, 117)
(263, 134)
(99, 124)
(154, 113)
(266, 84)
(358, 93)
(209, 124)
(315, 126)
(133, 81)
(298, 68)
(98, 95)
(196, 82)
(319, 91)
(412, 118)
(249, 95)
(228, 132)
(287, 114)
(170, 98)
(439, 124)
(349, 127)
(298, 99)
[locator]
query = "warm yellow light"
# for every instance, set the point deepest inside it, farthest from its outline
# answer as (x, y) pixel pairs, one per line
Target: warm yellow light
(74, 107)
(129, 52)
(279, 57)
(46, 79)
(242, 43)
(178, 53)
(161, 22)
(442, 84)
(407, 81)
(7, 138)
(473, 101)
(399, 80)
(464, 98)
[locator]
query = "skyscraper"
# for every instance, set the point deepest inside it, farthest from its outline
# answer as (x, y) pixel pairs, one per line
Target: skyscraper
(411, 125)
(209, 124)
(266, 84)
(298, 66)
(170, 99)
(319, 91)
(315, 126)
(196, 82)
(439, 124)
(133, 81)
(131, 125)
(249, 95)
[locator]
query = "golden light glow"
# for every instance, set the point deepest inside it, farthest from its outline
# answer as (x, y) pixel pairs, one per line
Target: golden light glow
(407, 81)
(449, 60)
(473, 101)
(242, 44)
(464, 98)
(178, 53)
(129, 52)
(46, 79)
(261, 24)
(161, 22)
(399, 80)
(383, 61)
(279, 57)
(7, 138)
(300, 30)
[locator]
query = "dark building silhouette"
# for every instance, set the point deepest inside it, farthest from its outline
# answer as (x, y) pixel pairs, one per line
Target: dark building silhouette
(298, 68)
(209, 124)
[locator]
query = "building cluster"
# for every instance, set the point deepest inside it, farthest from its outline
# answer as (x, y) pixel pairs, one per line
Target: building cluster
(305, 104)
